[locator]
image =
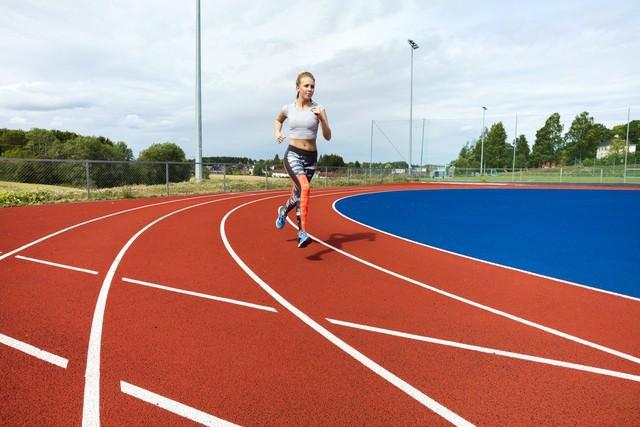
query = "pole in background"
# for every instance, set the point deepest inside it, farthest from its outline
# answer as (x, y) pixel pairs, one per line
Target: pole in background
(414, 46)
(515, 142)
(371, 150)
(166, 176)
(484, 110)
(198, 98)
(88, 178)
(626, 147)
(422, 145)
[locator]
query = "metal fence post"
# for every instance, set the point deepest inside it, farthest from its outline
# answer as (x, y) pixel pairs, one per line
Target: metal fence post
(560, 174)
(326, 176)
(88, 178)
(224, 178)
(266, 184)
(166, 175)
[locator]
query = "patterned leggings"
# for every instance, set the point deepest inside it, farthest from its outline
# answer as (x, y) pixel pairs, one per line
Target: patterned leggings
(301, 166)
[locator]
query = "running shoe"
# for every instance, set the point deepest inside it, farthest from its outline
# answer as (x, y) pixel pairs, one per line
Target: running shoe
(303, 239)
(282, 216)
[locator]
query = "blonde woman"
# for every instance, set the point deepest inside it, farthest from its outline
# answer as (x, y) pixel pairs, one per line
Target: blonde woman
(300, 159)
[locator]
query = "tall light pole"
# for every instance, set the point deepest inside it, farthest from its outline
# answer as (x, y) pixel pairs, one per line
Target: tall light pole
(414, 46)
(422, 145)
(484, 110)
(626, 146)
(198, 98)
(515, 142)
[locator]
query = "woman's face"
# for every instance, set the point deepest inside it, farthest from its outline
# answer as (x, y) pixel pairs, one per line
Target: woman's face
(306, 88)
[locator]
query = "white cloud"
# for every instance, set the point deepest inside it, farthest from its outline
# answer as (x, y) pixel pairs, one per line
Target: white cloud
(17, 120)
(125, 70)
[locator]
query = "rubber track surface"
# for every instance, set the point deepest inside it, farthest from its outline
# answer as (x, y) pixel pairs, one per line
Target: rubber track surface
(250, 366)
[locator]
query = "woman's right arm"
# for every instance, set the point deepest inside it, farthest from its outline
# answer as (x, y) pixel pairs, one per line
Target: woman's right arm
(277, 127)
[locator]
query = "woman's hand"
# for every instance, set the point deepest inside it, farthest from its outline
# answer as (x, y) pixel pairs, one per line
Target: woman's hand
(318, 112)
(280, 137)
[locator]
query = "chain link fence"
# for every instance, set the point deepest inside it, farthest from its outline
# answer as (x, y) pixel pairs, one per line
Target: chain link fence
(27, 181)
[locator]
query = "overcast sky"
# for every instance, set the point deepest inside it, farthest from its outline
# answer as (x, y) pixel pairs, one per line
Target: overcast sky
(126, 70)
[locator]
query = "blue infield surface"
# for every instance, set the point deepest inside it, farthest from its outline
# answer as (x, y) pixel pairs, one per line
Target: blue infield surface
(590, 237)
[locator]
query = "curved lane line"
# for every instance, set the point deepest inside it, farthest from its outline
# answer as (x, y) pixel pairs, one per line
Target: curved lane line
(435, 248)
(91, 405)
(35, 242)
(370, 364)
(478, 305)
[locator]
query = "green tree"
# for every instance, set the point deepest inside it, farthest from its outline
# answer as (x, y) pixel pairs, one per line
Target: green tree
(522, 152)
(164, 152)
(330, 160)
(548, 142)
(40, 141)
(582, 139)
(467, 158)
(634, 131)
(12, 140)
(496, 150)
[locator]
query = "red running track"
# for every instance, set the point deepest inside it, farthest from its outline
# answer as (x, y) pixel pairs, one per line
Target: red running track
(198, 309)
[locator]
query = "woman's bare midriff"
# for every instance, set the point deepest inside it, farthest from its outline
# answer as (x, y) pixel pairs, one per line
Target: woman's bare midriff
(304, 144)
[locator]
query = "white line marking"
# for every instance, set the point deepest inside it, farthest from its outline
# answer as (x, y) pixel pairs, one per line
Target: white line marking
(91, 405)
(486, 350)
(198, 294)
(34, 351)
(435, 248)
(54, 264)
(35, 242)
(373, 366)
(173, 406)
(480, 306)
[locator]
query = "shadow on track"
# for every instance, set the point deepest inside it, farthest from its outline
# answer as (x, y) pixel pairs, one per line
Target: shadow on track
(338, 239)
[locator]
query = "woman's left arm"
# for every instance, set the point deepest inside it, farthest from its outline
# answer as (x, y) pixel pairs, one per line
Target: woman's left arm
(324, 123)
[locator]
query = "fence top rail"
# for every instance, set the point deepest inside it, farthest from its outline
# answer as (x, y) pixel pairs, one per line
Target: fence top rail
(135, 162)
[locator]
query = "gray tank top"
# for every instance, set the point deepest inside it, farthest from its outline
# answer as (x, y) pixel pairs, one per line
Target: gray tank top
(302, 124)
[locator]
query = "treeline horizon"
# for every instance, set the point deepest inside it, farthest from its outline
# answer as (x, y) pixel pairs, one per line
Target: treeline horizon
(577, 146)
(39, 143)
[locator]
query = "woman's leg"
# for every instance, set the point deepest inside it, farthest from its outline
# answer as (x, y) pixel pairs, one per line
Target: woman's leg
(300, 166)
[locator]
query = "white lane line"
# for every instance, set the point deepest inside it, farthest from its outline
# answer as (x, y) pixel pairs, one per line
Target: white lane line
(407, 388)
(35, 242)
(486, 350)
(478, 305)
(91, 404)
(34, 351)
(198, 294)
(55, 264)
(507, 267)
(173, 406)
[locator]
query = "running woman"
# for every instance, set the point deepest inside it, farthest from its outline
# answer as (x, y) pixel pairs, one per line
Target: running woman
(301, 156)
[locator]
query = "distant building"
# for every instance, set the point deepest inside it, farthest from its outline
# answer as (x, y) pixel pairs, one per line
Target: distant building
(605, 146)
(549, 164)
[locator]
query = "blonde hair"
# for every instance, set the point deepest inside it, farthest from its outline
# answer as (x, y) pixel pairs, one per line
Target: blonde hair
(302, 75)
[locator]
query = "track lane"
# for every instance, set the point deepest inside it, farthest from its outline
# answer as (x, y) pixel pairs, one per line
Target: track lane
(126, 409)
(334, 286)
(35, 392)
(599, 317)
(24, 224)
(244, 366)
(51, 307)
